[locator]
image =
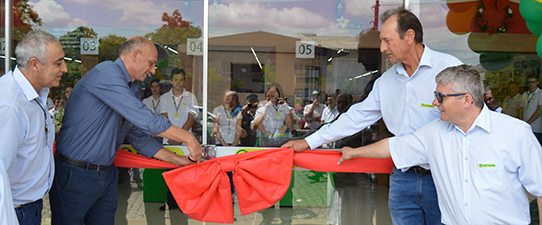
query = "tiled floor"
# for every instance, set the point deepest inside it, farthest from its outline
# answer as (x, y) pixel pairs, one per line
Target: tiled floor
(362, 202)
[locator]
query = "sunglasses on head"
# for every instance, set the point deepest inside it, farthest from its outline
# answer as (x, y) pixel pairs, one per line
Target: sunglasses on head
(439, 96)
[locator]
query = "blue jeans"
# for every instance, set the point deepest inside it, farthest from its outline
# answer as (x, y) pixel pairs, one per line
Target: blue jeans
(30, 214)
(413, 199)
(82, 196)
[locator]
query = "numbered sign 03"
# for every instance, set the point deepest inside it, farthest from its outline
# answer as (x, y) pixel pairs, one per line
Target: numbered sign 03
(89, 46)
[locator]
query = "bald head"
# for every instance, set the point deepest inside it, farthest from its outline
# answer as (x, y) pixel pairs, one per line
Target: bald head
(139, 56)
(137, 42)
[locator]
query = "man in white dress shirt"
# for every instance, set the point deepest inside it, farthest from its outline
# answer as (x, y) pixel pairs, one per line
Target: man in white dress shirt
(402, 97)
(478, 181)
(27, 132)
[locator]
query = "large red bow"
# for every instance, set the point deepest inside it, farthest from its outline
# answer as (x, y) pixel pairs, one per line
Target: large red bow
(500, 3)
(203, 191)
(261, 178)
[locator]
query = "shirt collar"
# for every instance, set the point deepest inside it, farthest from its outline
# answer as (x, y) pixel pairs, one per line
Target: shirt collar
(482, 121)
(124, 70)
(427, 55)
(27, 87)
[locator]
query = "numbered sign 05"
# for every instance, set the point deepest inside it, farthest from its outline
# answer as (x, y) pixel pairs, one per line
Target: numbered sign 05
(89, 46)
(304, 49)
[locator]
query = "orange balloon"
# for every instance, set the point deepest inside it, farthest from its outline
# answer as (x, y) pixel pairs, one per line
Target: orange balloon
(459, 23)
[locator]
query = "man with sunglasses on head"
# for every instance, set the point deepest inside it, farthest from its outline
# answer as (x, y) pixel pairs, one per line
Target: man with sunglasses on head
(532, 103)
(478, 181)
(402, 97)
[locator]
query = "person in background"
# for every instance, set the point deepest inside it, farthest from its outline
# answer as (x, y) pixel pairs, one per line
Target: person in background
(491, 102)
(313, 112)
(58, 112)
(477, 180)
(66, 94)
(402, 97)
(153, 101)
(245, 118)
(330, 112)
(532, 102)
(178, 104)
(272, 118)
(27, 132)
(511, 105)
(104, 109)
(225, 129)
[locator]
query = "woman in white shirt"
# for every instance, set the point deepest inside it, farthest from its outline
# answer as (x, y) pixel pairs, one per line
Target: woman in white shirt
(274, 117)
(153, 101)
(225, 128)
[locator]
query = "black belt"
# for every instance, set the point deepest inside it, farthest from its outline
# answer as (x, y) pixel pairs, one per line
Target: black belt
(419, 170)
(23, 205)
(81, 164)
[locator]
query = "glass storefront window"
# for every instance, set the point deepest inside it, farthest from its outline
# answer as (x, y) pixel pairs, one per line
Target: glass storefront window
(307, 50)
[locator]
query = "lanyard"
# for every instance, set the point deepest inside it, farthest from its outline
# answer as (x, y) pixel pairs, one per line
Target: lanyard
(157, 104)
(175, 103)
(531, 97)
(46, 126)
(228, 116)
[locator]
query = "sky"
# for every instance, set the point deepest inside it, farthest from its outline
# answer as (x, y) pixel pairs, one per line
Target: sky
(285, 17)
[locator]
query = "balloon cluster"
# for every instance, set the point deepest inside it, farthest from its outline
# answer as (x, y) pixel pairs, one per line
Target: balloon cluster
(531, 11)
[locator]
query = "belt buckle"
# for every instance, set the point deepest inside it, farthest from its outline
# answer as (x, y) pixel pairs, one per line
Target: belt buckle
(98, 168)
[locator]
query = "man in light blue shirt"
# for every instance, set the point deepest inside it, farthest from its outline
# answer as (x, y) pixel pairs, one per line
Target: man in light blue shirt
(402, 97)
(480, 168)
(104, 108)
(27, 132)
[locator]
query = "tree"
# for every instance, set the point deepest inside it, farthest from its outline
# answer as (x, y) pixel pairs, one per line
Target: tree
(71, 43)
(110, 46)
(23, 17)
(175, 30)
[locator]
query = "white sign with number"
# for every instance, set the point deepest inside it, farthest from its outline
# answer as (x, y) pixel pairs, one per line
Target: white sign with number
(304, 49)
(3, 46)
(89, 46)
(194, 46)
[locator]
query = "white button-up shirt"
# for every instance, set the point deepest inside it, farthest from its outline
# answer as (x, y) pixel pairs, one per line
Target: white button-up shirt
(26, 147)
(479, 175)
(404, 103)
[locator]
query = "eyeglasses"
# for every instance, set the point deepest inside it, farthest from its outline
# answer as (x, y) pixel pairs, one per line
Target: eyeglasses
(439, 96)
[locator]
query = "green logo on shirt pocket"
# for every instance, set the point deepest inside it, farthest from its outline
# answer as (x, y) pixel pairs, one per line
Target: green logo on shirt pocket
(427, 105)
(486, 165)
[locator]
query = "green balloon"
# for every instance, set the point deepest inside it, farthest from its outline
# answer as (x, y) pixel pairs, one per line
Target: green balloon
(535, 28)
(539, 47)
(531, 10)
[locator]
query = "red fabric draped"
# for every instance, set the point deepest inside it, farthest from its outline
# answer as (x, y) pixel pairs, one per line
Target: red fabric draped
(203, 190)
(261, 178)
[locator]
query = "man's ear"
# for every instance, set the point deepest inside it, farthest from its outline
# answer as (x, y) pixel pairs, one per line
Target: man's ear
(33, 64)
(468, 100)
(135, 54)
(409, 36)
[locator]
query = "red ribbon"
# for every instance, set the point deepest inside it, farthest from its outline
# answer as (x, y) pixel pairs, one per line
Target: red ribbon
(500, 3)
(261, 178)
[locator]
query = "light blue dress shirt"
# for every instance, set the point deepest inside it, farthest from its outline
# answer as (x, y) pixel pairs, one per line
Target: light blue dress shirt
(25, 147)
(479, 175)
(404, 103)
(7, 212)
(104, 108)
